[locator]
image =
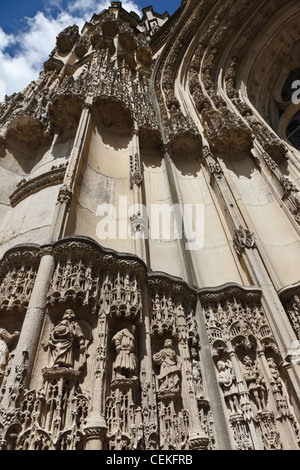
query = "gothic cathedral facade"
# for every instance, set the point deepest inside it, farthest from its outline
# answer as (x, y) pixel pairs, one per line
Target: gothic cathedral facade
(150, 234)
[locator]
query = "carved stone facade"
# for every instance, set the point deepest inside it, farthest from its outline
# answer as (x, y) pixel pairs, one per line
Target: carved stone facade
(117, 331)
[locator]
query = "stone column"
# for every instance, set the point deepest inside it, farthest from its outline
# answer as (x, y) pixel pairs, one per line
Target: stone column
(95, 431)
(22, 363)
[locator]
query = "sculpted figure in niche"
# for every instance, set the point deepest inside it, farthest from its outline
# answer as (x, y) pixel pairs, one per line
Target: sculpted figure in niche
(169, 376)
(65, 339)
(276, 379)
(125, 364)
(278, 390)
(227, 380)
(19, 282)
(6, 340)
(256, 383)
(197, 375)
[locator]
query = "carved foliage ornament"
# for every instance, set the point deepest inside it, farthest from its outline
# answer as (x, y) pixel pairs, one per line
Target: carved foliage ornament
(243, 239)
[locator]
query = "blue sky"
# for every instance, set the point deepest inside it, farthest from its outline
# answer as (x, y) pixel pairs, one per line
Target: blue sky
(28, 29)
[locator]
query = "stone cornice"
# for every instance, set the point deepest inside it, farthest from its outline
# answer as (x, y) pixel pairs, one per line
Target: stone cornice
(108, 259)
(111, 260)
(159, 281)
(26, 254)
(226, 291)
(288, 292)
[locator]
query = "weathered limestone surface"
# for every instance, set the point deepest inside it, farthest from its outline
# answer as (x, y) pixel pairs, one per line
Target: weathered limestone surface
(115, 333)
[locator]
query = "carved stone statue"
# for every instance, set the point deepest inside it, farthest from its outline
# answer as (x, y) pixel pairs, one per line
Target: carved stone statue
(65, 338)
(276, 379)
(169, 376)
(197, 375)
(227, 380)
(256, 383)
(6, 340)
(125, 364)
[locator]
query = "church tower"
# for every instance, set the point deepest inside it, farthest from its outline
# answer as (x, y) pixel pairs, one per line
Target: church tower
(150, 234)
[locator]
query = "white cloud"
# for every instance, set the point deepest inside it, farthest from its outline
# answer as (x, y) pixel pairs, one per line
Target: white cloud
(2, 88)
(34, 43)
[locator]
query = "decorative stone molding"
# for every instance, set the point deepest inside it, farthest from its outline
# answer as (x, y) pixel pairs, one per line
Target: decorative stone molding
(226, 134)
(136, 176)
(287, 185)
(244, 313)
(96, 278)
(290, 298)
(18, 269)
(28, 187)
(65, 195)
(243, 239)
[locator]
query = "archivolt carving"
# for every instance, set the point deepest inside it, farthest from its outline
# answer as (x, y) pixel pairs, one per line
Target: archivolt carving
(226, 133)
(144, 55)
(185, 143)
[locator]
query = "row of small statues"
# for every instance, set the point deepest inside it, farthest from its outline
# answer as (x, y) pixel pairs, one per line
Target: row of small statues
(68, 349)
(67, 346)
(256, 384)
